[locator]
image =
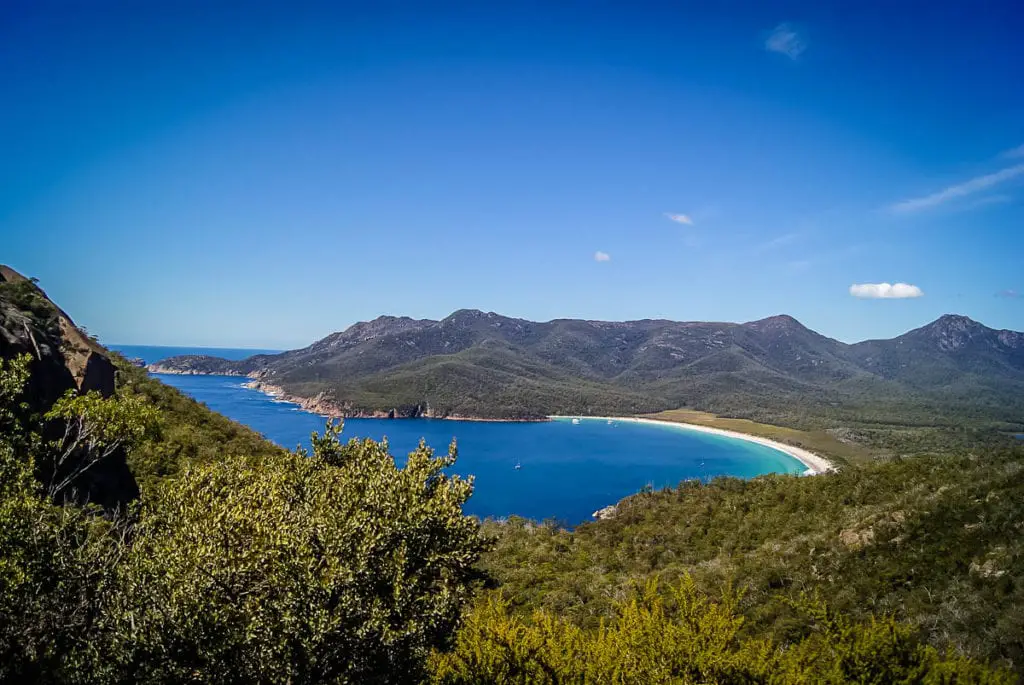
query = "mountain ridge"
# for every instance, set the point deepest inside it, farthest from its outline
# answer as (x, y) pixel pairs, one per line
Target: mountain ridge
(485, 365)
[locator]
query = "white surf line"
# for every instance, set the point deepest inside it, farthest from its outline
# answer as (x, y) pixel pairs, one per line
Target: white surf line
(815, 464)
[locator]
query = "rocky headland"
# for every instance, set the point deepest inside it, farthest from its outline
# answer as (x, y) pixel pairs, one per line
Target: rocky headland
(63, 358)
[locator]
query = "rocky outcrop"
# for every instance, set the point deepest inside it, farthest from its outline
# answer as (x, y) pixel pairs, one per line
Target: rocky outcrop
(63, 358)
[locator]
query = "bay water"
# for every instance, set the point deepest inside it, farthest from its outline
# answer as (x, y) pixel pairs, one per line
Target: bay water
(565, 471)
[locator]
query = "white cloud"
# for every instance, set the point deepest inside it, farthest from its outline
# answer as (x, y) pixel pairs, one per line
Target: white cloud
(1014, 153)
(785, 41)
(989, 201)
(778, 241)
(960, 190)
(680, 218)
(602, 256)
(885, 291)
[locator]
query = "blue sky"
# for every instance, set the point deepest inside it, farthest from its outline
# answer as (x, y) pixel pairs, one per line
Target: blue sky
(264, 175)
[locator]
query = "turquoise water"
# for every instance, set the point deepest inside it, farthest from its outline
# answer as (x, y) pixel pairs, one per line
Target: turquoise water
(567, 471)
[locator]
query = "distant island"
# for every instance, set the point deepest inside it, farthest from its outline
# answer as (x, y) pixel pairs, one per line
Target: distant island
(477, 365)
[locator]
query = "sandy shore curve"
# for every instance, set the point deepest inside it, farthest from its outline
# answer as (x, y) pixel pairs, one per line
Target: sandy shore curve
(815, 463)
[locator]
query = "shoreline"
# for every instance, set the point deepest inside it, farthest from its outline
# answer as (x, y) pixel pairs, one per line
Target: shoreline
(816, 464)
(320, 405)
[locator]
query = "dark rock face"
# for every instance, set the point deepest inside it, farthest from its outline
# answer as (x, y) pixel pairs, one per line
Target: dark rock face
(63, 358)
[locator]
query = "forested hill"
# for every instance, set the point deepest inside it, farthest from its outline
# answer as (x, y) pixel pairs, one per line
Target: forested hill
(775, 369)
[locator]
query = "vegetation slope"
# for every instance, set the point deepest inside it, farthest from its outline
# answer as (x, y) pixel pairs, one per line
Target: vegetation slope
(237, 561)
(951, 375)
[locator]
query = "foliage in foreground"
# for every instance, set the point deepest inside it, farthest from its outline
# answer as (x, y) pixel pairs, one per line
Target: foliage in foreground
(935, 542)
(341, 566)
(53, 559)
(688, 638)
(53, 567)
(335, 566)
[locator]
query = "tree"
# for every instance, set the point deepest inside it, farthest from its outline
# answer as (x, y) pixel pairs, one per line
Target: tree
(333, 567)
(14, 374)
(95, 428)
(54, 561)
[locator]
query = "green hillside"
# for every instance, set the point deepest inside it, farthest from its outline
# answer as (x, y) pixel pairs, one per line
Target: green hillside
(953, 375)
(934, 541)
(144, 538)
(185, 431)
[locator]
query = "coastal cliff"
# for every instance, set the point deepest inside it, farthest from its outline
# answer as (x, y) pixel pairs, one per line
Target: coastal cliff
(63, 358)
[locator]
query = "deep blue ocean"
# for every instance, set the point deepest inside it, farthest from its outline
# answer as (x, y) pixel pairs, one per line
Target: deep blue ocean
(567, 471)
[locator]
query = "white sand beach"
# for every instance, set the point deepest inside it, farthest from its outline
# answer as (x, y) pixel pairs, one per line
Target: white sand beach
(815, 464)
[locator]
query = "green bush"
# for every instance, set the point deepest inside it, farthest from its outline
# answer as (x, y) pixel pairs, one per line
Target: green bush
(54, 561)
(685, 637)
(333, 567)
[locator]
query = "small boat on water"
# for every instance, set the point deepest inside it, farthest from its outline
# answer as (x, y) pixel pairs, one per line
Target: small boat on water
(609, 422)
(575, 421)
(518, 466)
